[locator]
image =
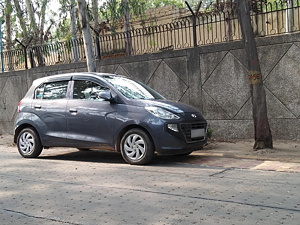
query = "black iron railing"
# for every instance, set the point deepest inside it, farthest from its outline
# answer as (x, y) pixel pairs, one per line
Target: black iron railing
(216, 24)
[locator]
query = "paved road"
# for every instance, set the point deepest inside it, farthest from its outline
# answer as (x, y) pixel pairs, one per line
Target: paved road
(66, 186)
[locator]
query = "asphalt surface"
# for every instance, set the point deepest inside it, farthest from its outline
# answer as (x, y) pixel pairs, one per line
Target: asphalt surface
(217, 154)
(66, 186)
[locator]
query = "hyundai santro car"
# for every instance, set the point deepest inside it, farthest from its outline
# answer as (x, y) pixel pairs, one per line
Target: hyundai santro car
(105, 111)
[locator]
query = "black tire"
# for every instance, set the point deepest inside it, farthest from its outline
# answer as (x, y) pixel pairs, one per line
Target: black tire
(136, 147)
(29, 144)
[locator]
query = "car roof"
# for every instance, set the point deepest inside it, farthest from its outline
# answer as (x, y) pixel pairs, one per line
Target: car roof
(70, 75)
(66, 76)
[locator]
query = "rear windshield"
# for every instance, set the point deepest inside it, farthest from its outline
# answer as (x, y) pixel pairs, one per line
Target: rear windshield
(132, 89)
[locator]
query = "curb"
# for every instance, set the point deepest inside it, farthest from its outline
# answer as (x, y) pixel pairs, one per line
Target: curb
(252, 164)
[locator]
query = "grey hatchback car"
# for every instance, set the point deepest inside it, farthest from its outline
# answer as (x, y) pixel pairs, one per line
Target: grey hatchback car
(105, 111)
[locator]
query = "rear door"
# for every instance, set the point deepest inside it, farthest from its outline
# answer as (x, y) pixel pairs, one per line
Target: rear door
(49, 110)
(90, 119)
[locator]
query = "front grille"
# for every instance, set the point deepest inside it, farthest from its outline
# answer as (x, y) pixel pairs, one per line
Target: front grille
(187, 128)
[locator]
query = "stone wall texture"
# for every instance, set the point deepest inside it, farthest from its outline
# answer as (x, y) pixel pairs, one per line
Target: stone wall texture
(212, 78)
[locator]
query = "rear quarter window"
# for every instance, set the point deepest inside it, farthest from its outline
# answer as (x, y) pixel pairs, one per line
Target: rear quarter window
(52, 90)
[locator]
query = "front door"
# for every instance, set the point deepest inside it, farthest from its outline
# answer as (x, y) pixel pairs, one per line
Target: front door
(90, 119)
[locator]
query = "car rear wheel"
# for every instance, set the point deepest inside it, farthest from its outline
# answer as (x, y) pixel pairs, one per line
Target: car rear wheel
(29, 144)
(137, 147)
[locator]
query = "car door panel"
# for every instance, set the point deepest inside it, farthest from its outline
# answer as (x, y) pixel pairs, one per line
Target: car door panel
(49, 108)
(53, 115)
(90, 120)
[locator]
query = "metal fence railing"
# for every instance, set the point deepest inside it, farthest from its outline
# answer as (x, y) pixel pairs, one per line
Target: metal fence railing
(217, 24)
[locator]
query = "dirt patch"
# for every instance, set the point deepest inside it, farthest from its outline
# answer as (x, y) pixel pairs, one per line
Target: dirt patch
(285, 151)
(6, 139)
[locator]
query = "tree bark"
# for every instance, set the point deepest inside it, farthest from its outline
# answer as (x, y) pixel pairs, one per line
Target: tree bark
(32, 20)
(95, 14)
(87, 38)
(43, 18)
(128, 42)
(263, 136)
(37, 49)
(228, 11)
(8, 11)
(96, 28)
(21, 18)
(74, 30)
(289, 16)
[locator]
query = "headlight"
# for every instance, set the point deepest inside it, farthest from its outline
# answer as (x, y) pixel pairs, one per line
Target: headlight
(162, 113)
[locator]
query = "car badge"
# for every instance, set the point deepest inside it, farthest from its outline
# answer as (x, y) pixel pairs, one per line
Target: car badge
(193, 115)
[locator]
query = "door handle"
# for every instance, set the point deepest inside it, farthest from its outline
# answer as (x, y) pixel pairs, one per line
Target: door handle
(72, 110)
(37, 107)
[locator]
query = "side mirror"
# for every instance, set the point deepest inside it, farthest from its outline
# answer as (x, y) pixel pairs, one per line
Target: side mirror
(106, 95)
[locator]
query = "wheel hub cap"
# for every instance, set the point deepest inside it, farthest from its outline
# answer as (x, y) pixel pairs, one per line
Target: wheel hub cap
(134, 147)
(26, 143)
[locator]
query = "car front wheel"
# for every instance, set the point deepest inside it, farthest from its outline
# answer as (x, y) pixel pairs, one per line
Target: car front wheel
(137, 147)
(29, 144)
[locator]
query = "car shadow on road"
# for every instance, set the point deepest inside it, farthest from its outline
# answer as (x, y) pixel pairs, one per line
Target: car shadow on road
(102, 156)
(86, 156)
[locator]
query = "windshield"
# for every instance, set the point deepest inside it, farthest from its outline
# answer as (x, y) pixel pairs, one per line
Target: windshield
(132, 89)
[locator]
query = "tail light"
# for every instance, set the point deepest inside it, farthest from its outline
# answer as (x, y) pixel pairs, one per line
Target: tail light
(19, 104)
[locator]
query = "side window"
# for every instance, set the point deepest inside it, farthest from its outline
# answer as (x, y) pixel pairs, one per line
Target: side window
(87, 90)
(53, 90)
(40, 92)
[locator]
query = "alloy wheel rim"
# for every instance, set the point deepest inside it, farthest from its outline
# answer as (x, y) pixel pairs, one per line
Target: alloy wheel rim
(26, 143)
(134, 147)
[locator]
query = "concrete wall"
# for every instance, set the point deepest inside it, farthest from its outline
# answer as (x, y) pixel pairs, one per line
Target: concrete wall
(212, 78)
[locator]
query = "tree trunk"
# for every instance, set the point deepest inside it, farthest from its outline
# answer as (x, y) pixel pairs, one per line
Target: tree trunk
(128, 43)
(290, 16)
(36, 38)
(22, 21)
(96, 27)
(263, 136)
(43, 17)
(8, 11)
(95, 14)
(74, 30)
(32, 20)
(87, 38)
(228, 11)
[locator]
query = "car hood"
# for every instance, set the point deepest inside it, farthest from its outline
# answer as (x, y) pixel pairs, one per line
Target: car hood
(175, 107)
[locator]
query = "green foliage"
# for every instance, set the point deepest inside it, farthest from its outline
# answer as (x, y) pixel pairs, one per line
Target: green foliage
(209, 132)
(136, 7)
(152, 43)
(64, 7)
(110, 11)
(8, 8)
(276, 5)
(63, 27)
(178, 3)
(26, 23)
(162, 3)
(113, 10)
(63, 30)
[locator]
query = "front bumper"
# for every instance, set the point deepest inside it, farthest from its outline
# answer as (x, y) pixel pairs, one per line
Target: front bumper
(170, 142)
